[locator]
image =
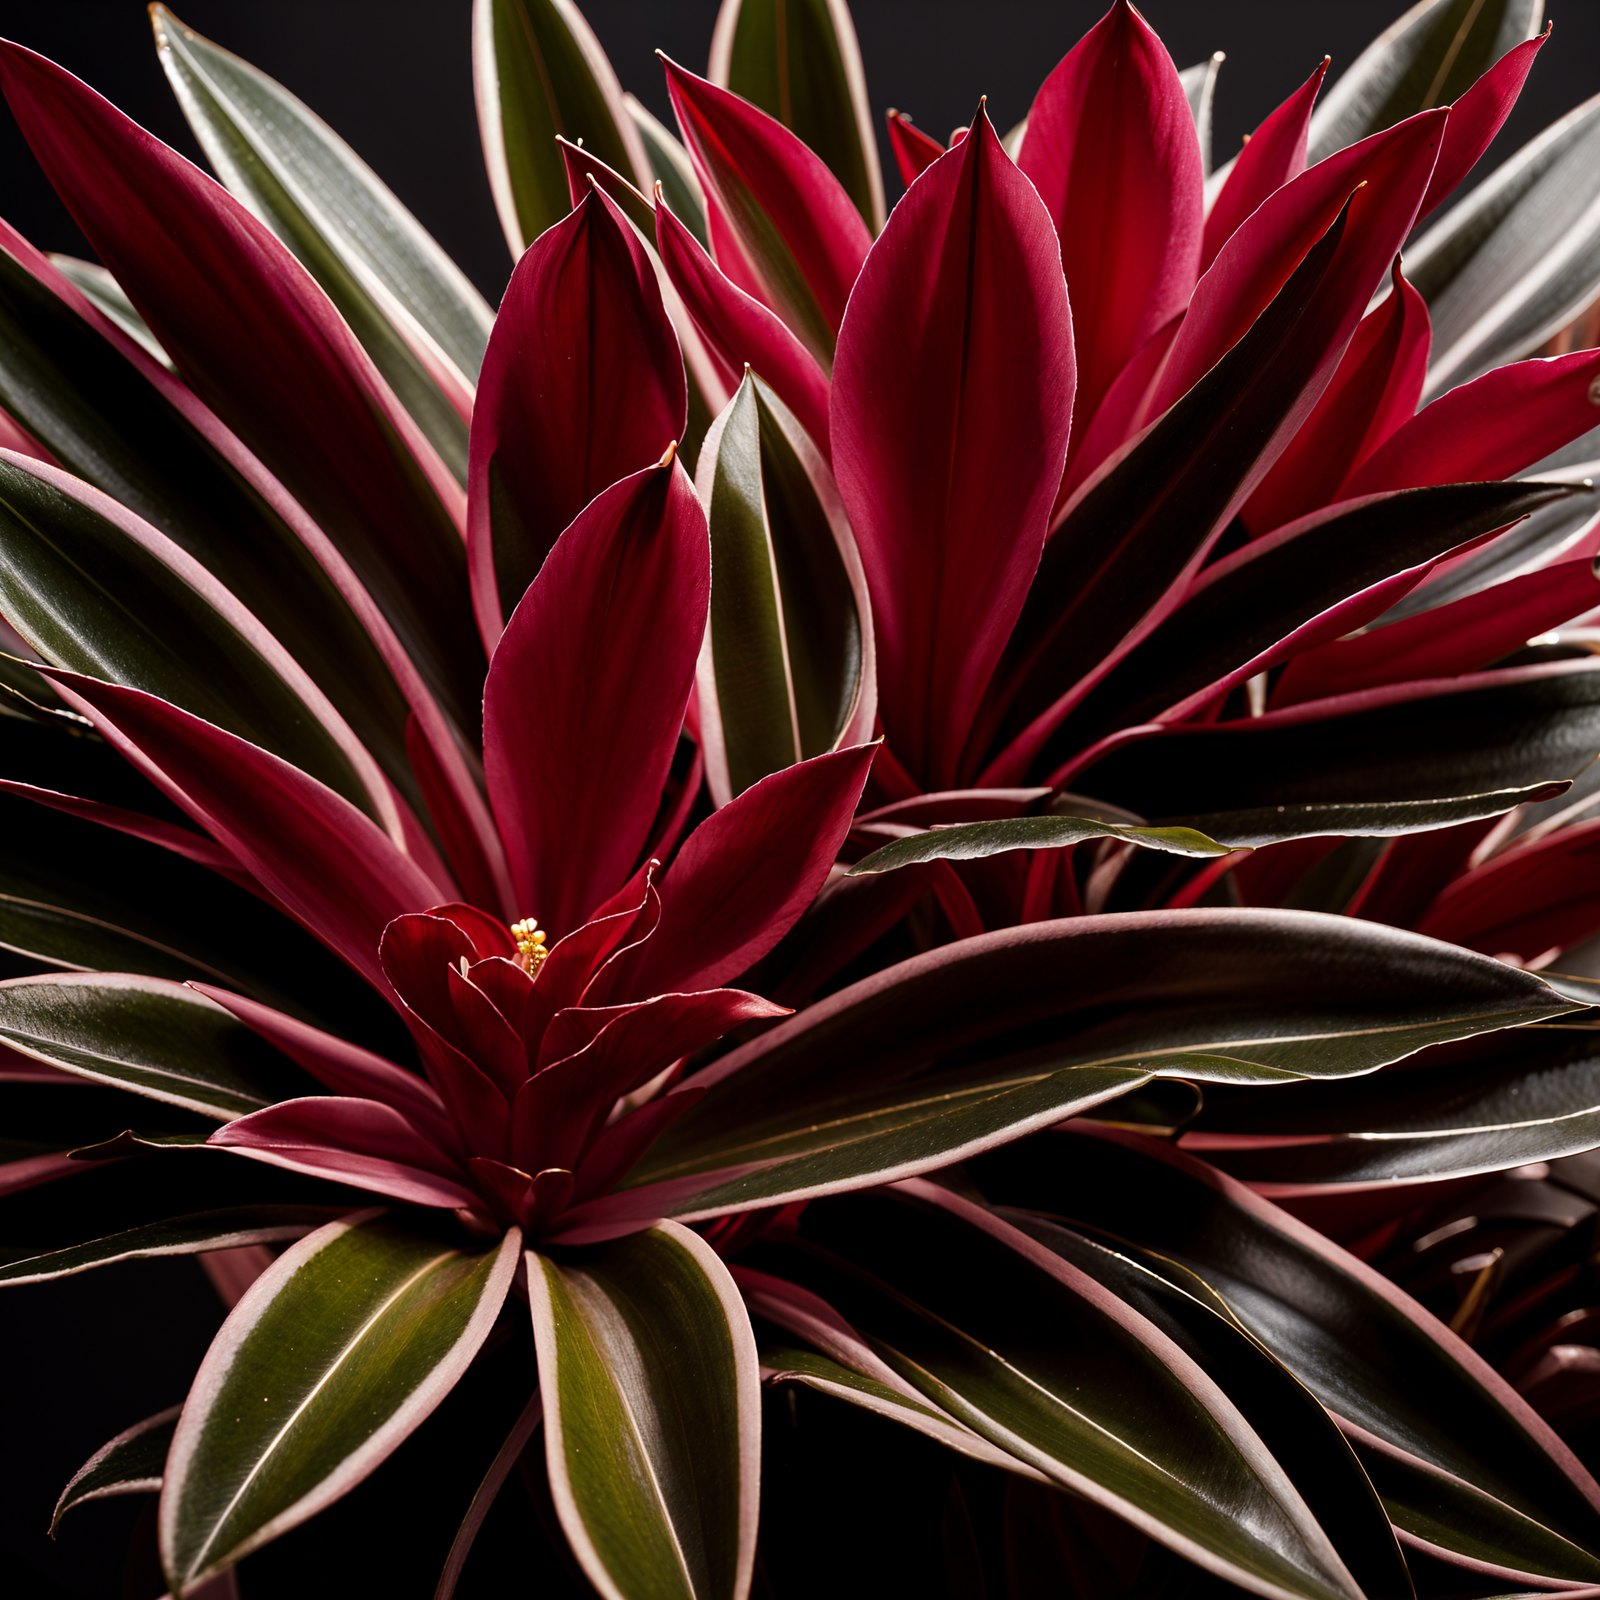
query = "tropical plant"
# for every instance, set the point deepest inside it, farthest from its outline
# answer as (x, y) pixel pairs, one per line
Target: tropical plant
(1112, 683)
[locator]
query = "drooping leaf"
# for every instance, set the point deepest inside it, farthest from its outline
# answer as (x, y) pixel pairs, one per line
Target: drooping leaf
(256, 337)
(949, 413)
(204, 1230)
(539, 71)
(1104, 1403)
(801, 64)
(1428, 57)
(413, 309)
(1387, 1370)
(331, 1359)
(798, 232)
(652, 1415)
(975, 840)
(157, 1038)
(583, 385)
(132, 1463)
(1514, 262)
(965, 1047)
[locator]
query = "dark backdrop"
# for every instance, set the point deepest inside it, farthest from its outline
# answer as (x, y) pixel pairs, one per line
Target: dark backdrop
(394, 76)
(84, 1358)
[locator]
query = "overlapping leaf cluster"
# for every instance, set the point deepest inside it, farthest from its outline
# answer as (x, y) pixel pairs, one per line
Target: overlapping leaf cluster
(994, 833)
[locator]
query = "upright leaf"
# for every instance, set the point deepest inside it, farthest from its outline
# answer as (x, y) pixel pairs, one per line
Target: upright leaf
(952, 403)
(583, 385)
(1429, 57)
(539, 71)
(413, 309)
(801, 63)
(652, 1415)
(334, 1355)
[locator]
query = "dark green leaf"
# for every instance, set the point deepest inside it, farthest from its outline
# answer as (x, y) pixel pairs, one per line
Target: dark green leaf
(1369, 1354)
(159, 1039)
(204, 1230)
(673, 170)
(331, 1359)
(1391, 767)
(132, 1463)
(539, 71)
(652, 1415)
(1430, 57)
(799, 61)
(108, 425)
(972, 840)
(1033, 1354)
(414, 311)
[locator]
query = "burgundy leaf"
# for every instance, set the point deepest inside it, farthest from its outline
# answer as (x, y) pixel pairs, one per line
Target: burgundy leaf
(746, 873)
(466, 831)
(1477, 117)
(582, 385)
(326, 863)
(952, 402)
(258, 339)
(620, 1146)
(914, 151)
(796, 227)
(1468, 633)
(1272, 156)
(1112, 150)
(578, 735)
(1494, 427)
(361, 1142)
(738, 329)
(1373, 393)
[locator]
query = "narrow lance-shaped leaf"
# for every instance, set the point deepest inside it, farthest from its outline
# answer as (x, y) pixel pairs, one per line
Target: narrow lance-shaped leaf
(789, 645)
(914, 150)
(1429, 57)
(1200, 88)
(652, 1415)
(951, 410)
(105, 294)
(132, 1463)
(334, 1355)
(974, 840)
(417, 316)
(539, 71)
(801, 63)
(673, 170)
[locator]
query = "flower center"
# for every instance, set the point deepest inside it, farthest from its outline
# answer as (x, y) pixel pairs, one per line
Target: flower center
(531, 952)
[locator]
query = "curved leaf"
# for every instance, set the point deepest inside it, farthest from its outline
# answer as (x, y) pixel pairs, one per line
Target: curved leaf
(159, 1039)
(973, 840)
(190, 1235)
(105, 294)
(1515, 261)
(414, 311)
(801, 63)
(1031, 1352)
(539, 71)
(673, 170)
(1429, 57)
(1200, 88)
(132, 1463)
(1382, 1365)
(652, 1415)
(790, 640)
(333, 1356)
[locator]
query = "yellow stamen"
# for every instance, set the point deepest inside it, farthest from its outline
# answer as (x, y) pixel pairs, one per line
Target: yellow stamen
(531, 952)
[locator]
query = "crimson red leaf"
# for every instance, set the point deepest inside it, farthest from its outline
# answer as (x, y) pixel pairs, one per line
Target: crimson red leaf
(1477, 117)
(263, 346)
(578, 734)
(1111, 148)
(746, 873)
(582, 385)
(914, 151)
(1273, 155)
(952, 401)
(1374, 392)
(1493, 427)
(798, 230)
(738, 329)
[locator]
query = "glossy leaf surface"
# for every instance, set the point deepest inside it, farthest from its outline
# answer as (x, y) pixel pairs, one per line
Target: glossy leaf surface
(974, 840)
(652, 1415)
(332, 1357)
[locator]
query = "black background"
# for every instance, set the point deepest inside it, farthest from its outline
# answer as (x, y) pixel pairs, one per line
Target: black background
(82, 1359)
